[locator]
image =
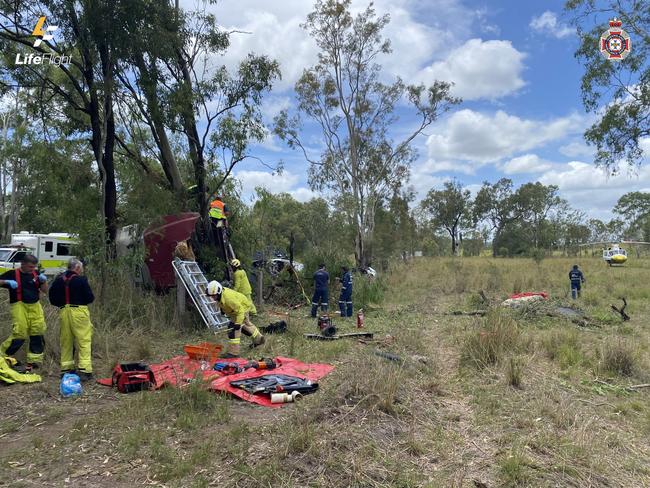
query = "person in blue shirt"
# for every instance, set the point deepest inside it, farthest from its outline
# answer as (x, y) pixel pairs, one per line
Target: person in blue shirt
(577, 278)
(321, 290)
(345, 298)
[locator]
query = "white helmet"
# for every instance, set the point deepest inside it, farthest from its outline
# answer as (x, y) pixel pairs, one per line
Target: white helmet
(214, 288)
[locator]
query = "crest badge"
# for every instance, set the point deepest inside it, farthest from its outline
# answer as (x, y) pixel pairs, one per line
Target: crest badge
(615, 43)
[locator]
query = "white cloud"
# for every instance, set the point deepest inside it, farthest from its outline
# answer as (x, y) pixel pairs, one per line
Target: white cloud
(303, 194)
(273, 105)
(432, 166)
(482, 138)
(480, 69)
(273, 182)
(423, 179)
(273, 29)
(644, 144)
(591, 189)
(284, 182)
(528, 163)
(549, 24)
(577, 149)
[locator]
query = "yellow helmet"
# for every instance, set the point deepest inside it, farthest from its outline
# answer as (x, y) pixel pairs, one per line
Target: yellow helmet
(235, 263)
(214, 288)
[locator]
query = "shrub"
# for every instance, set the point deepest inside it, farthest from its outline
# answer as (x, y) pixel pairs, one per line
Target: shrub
(487, 346)
(514, 371)
(618, 358)
(367, 290)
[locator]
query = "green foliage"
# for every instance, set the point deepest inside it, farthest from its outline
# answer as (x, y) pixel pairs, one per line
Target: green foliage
(617, 91)
(367, 291)
(563, 346)
(447, 208)
(634, 208)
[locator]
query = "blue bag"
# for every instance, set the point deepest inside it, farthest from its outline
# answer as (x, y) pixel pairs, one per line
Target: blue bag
(70, 385)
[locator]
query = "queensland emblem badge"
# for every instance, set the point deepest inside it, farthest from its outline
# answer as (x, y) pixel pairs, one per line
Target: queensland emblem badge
(615, 42)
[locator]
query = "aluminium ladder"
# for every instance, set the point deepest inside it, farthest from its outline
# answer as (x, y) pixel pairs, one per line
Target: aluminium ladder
(196, 285)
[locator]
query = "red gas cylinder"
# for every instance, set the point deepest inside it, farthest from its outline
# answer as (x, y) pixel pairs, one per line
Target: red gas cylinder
(360, 319)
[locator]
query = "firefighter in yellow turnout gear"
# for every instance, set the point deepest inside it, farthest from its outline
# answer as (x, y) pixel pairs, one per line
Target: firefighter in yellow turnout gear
(72, 294)
(28, 322)
(236, 307)
(242, 285)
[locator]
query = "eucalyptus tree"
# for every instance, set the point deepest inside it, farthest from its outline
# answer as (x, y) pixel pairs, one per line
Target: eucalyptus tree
(617, 91)
(346, 96)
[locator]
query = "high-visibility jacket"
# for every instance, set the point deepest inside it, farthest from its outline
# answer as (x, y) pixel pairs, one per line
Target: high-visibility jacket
(217, 209)
(242, 285)
(234, 305)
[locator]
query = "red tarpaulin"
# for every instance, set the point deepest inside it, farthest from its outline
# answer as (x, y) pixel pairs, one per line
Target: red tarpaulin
(181, 370)
(542, 294)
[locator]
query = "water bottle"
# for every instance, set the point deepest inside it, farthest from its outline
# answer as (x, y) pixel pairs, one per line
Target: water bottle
(70, 385)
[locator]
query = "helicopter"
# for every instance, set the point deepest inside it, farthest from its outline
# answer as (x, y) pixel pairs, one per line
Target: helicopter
(614, 254)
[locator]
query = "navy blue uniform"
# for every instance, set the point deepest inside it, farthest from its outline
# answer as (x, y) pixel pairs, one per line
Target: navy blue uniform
(577, 278)
(345, 299)
(79, 290)
(321, 292)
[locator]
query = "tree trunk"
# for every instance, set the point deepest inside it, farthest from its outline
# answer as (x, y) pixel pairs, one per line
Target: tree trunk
(167, 158)
(110, 192)
(196, 150)
(108, 163)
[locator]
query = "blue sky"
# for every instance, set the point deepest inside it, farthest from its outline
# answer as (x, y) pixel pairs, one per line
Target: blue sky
(513, 64)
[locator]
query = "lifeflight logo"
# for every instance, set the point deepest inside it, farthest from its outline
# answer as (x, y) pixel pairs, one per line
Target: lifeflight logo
(44, 58)
(43, 35)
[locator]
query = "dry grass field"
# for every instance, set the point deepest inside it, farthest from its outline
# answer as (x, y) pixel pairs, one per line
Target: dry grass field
(511, 398)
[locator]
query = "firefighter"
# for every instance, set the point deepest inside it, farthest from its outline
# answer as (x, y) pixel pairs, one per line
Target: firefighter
(71, 292)
(321, 292)
(28, 322)
(577, 278)
(242, 285)
(236, 307)
(345, 298)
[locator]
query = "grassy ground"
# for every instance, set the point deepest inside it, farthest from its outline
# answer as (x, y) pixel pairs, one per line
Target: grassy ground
(515, 398)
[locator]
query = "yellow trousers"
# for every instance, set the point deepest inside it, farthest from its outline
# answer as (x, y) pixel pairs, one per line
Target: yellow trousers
(28, 322)
(234, 335)
(253, 310)
(76, 333)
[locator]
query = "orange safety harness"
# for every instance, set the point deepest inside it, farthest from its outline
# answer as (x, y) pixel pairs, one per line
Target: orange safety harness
(19, 289)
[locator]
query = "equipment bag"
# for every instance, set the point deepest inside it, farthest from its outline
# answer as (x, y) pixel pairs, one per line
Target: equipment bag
(275, 383)
(130, 377)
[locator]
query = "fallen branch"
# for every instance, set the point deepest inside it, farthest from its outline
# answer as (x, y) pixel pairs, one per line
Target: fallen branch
(643, 385)
(480, 313)
(320, 337)
(621, 311)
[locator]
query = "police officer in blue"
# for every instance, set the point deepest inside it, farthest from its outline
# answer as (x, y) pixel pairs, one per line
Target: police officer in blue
(345, 299)
(321, 291)
(577, 278)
